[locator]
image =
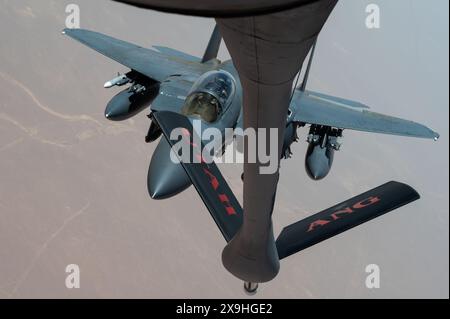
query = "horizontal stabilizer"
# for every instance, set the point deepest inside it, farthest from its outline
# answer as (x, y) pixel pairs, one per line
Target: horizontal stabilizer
(344, 216)
(206, 177)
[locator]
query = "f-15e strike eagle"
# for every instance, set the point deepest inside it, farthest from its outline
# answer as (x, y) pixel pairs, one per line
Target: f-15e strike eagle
(269, 41)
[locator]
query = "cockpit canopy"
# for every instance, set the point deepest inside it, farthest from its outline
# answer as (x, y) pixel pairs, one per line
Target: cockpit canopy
(210, 96)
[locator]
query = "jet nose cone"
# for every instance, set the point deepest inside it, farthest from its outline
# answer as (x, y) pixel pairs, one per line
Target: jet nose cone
(157, 190)
(165, 178)
(166, 188)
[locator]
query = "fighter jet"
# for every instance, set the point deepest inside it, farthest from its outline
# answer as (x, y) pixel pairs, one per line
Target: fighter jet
(269, 41)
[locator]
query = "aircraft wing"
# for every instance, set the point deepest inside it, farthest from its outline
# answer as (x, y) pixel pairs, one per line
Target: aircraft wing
(174, 52)
(320, 109)
(337, 100)
(344, 216)
(207, 179)
(155, 65)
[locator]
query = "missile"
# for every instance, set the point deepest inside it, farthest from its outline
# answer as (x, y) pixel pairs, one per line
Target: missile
(117, 81)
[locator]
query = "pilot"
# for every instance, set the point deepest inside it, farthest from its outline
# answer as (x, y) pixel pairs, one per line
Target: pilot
(202, 104)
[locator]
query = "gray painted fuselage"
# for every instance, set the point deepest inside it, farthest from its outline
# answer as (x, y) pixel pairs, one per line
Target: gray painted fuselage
(166, 178)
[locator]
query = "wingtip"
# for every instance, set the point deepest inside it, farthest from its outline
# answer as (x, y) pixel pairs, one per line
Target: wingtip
(415, 194)
(436, 137)
(69, 31)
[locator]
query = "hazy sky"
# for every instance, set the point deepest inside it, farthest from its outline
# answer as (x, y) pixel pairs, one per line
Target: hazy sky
(73, 185)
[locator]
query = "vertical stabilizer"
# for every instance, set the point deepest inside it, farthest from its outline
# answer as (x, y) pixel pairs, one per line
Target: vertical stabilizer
(213, 46)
